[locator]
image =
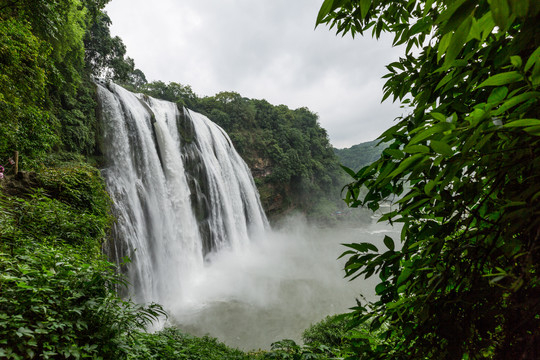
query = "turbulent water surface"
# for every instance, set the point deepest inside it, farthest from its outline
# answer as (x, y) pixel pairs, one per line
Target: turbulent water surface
(278, 286)
(190, 219)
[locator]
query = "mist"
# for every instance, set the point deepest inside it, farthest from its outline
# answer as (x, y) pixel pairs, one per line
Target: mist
(276, 286)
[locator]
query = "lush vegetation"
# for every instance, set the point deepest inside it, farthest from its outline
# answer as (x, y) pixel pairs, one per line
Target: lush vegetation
(463, 283)
(58, 293)
(48, 51)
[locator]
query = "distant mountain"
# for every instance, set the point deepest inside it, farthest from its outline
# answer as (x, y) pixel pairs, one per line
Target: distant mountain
(358, 156)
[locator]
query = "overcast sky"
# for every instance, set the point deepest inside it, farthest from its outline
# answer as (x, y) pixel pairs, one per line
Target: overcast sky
(263, 49)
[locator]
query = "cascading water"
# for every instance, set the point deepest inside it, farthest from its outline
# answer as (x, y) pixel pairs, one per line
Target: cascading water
(180, 191)
(187, 216)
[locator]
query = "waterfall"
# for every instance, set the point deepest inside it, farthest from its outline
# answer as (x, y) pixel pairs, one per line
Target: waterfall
(180, 191)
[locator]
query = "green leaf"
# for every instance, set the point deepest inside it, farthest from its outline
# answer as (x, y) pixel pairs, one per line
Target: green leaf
(500, 12)
(516, 61)
(533, 130)
(394, 153)
(443, 45)
(458, 40)
(498, 94)
(380, 288)
(425, 133)
(429, 187)
(481, 28)
(365, 5)
(325, 9)
(389, 242)
(451, 18)
(405, 164)
(362, 247)
(441, 147)
(415, 149)
(502, 79)
(404, 275)
(534, 58)
(348, 171)
(520, 7)
(535, 75)
(438, 116)
(513, 101)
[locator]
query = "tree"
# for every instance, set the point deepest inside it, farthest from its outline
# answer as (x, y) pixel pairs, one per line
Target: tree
(105, 55)
(25, 124)
(464, 282)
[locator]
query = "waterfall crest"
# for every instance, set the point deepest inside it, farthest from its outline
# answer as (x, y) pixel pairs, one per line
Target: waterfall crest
(179, 188)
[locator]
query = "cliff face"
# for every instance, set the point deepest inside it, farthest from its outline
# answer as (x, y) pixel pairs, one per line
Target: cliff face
(261, 168)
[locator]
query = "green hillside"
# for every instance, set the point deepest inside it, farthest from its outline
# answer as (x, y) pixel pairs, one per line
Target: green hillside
(360, 155)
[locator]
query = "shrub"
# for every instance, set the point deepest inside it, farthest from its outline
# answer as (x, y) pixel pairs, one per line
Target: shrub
(172, 344)
(57, 297)
(56, 304)
(331, 331)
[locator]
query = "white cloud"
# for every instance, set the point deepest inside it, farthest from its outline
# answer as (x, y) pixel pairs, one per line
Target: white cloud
(265, 49)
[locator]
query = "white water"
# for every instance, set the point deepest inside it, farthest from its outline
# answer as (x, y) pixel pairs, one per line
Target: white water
(190, 219)
(153, 202)
(278, 286)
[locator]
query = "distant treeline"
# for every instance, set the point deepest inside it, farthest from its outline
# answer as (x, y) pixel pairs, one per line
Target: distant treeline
(358, 156)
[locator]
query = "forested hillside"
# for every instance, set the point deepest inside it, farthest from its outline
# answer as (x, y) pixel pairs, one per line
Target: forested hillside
(360, 155)
(57, 297)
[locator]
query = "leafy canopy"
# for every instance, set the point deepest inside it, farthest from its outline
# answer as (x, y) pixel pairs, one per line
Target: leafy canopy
(464, 281)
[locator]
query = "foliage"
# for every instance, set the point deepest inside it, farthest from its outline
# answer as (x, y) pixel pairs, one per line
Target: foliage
(78, 185)
(46, 94)
(331, 331)
(56, 304)
(24, 122)
(58, 297)
(78, 122)
(105, 55)
(69, 206)
(172, 344)
(289, 350)
(180, 94)
(464, 281)
(360, 155)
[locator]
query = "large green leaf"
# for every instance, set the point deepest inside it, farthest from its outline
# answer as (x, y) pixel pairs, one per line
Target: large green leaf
(457, 42)
(515, 100)
(324, 11)
(365, 5)
(441, 147)
(534, 58)
(389, 242)
(502, 79)
(406, 164)
(523, 123)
